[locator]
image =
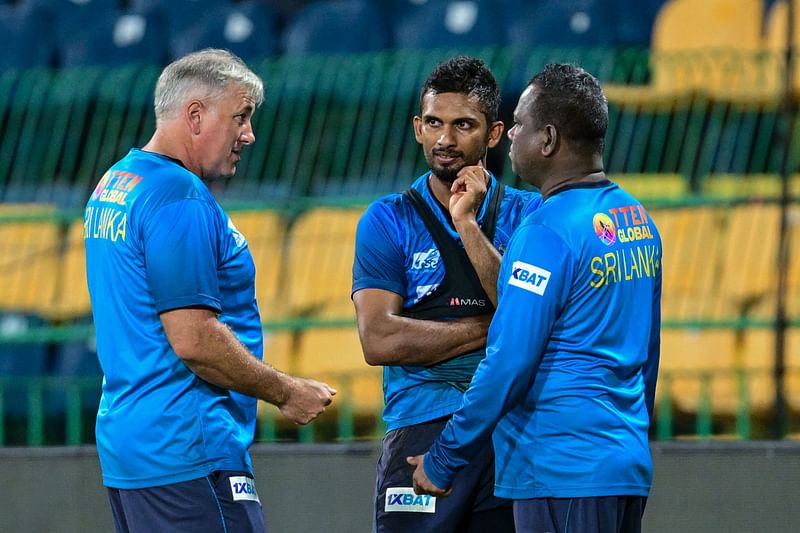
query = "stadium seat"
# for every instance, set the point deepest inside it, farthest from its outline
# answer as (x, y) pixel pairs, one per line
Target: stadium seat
(691, 269)
(265, 233)
(335, 27)
(711, 46)
(652, 186)
(563, 23)
(176, 15)
(448, 25)
(114, 39)
(319, 263)
(20, 26)
(29, 259)
(247, 29)
(633, 21)
(688, 355)
(72, 293)
(748, 248)
(19, 359)
(73, 17)
(335, 356)
(765, 186)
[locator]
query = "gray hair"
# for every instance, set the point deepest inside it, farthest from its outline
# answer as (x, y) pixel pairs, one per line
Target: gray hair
(204, 75)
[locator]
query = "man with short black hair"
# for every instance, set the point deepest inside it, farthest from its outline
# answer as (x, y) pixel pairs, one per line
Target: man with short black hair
(424, 288)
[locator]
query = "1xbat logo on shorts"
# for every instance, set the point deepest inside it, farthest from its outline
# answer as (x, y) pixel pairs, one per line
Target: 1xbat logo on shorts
(403, 499)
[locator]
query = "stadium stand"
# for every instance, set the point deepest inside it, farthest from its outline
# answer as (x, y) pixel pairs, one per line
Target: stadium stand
(114, 39)
(448, 24)
(319, 263)
(265, 233)
(341, 26)
(21, 25)
(334, 355)
(29, 256)
(562, 23)
(248, 29)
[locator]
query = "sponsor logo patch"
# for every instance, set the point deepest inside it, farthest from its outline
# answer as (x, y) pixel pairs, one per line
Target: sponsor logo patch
(243, 488)
(403, 499)
(604, 228)
(428, 260)
(529, 277)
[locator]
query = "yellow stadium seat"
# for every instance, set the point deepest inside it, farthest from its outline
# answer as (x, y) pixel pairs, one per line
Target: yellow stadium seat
(712, 46)
(29, 259)
(688, 354)
(748, 185)
(652, 186)
(265, 233)
(749, 252)
(776, 39)
(72, 292)
(279, 351)
(690, 269)
(793, 281)
(335, 356)
(320, 262)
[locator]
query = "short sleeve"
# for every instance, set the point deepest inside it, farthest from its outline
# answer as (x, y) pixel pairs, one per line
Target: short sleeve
(181, 243)
(379, 260)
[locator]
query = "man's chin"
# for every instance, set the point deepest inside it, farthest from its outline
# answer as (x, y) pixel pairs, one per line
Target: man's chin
(446, 175)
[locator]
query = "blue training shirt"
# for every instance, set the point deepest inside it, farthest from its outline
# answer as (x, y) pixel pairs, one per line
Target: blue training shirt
(395, 252)
(568, 382)
(156, 239)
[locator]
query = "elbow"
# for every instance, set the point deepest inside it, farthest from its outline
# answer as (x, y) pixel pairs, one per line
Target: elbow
(187, 351)
(372, 357)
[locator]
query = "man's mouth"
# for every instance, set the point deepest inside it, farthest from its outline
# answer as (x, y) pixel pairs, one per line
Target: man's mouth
(446, 158)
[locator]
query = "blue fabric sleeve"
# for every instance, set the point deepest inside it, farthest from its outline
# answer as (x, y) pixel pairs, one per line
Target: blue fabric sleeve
(653, 350)
(379, 260)
(534, 280)
(180, 250)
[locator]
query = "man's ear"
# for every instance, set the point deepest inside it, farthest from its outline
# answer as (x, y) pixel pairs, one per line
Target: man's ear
(418, 128)
(551, 140)
(194, 115)
(495, 133)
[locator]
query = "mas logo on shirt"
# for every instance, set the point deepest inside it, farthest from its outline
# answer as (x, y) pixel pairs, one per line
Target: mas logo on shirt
(243, 488)
(403, 499)
(604, 228)
(529, 277)
(428, 260)
(237, 236)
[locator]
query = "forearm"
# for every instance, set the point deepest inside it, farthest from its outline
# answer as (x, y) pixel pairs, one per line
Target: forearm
(219, 358)
(398, 340)
(482, 254)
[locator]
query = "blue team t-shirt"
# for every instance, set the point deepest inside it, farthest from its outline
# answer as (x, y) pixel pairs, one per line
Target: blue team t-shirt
(156, 240)
(395, 252)
(572, 355)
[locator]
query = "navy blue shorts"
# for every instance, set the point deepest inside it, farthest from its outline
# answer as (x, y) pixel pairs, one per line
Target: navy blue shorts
(608, 514)
(223, 502)
(472, 506)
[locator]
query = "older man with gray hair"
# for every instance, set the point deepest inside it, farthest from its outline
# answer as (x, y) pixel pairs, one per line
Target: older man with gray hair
(179, 336)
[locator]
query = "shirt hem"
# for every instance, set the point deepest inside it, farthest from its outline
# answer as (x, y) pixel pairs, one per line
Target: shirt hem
(114, 482)
(525, 493)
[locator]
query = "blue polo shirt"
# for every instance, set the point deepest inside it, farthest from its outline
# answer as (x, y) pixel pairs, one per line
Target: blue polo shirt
(568, 381)
(395, 252)
(157, 240)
